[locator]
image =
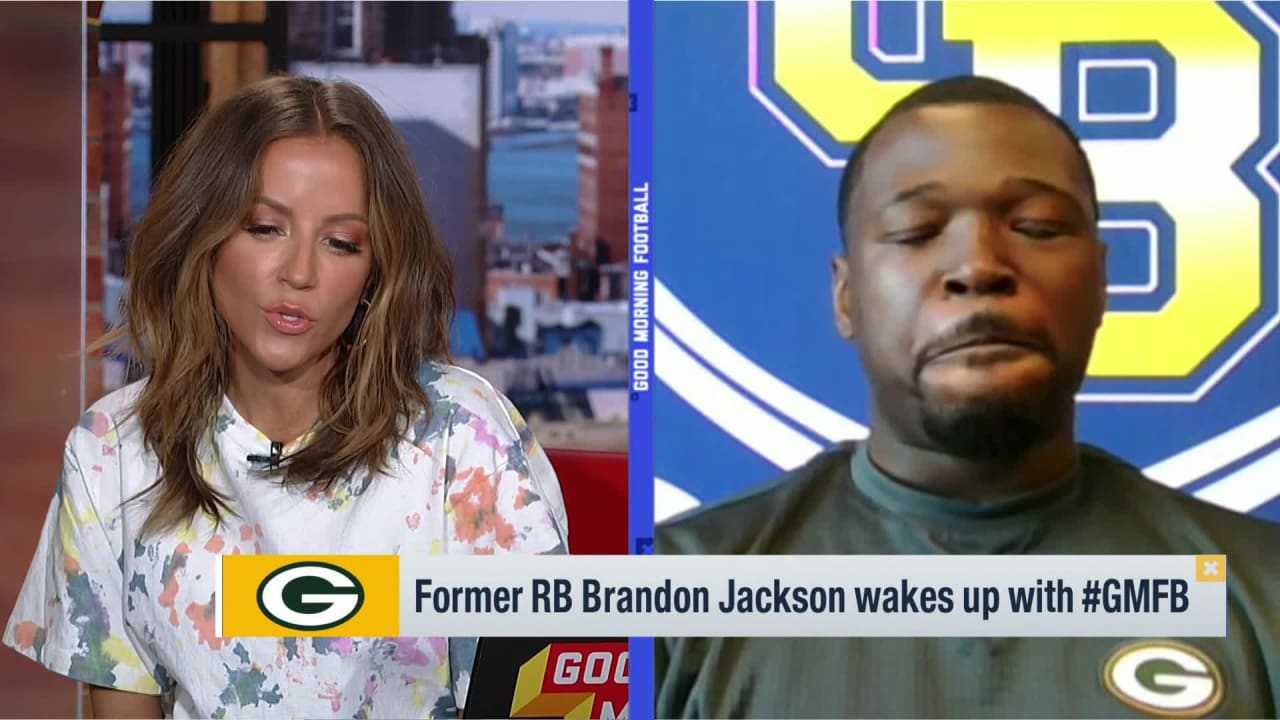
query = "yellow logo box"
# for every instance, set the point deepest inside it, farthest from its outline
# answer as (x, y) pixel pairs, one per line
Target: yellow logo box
(309, 596)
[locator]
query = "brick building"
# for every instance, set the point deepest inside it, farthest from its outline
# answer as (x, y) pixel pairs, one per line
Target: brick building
(601, 240)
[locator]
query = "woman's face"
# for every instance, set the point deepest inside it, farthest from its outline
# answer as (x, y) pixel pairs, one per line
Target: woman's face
(287, 284)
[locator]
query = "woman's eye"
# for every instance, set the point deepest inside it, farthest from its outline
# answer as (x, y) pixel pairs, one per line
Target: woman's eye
(346, 246)
(264, 229)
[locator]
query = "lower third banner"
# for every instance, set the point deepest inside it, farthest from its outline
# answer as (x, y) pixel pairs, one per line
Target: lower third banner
(725, 596)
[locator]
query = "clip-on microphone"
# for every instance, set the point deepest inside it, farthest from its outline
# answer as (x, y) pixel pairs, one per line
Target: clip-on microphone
(272, 461)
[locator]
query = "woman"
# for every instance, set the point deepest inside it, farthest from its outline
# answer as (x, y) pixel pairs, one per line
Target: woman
(291, 304)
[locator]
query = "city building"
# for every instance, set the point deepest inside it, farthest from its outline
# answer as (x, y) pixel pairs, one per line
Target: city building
(582, 53)
(336, 30)
(600, 248)
(373, 32)
(504, 72)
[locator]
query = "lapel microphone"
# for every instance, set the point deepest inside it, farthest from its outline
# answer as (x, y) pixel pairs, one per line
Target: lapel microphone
(272, 461)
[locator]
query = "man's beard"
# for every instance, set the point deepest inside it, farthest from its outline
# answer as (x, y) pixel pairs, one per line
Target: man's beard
(995, 430)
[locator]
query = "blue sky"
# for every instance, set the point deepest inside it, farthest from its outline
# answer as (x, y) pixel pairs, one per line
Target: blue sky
(604, 12)
(124, 11)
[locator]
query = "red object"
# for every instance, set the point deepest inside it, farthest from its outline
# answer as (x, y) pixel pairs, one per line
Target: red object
(595, 498)
(601, 670)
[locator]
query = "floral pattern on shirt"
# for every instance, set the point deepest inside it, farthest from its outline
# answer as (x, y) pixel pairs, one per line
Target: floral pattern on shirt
(107, 607)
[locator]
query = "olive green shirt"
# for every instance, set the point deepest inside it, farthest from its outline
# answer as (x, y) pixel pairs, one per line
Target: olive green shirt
(840, 503)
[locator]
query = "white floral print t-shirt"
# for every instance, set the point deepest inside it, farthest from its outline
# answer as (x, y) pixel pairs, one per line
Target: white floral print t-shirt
(108, 608)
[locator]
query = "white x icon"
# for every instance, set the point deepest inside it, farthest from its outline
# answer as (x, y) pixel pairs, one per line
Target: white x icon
(1210, 567)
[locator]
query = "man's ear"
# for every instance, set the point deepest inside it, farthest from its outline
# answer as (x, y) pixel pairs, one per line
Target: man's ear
(841, 302)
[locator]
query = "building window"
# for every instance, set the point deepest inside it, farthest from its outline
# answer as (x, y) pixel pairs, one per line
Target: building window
(344, 30)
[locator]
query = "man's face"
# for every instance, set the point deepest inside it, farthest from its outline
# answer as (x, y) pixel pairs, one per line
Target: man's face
(974, 280)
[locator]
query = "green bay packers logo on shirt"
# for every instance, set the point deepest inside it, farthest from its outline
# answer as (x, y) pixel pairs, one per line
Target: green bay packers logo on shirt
(310, 596)
(1164, 678)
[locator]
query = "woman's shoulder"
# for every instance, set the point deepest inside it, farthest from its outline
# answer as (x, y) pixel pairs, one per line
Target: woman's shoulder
(110, 418)
(500, 471)
(104, 457)
(461, 398)
(459, 389)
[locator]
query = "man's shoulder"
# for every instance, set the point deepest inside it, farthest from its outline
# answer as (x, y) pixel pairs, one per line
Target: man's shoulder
(743, 523)
(1183, 512)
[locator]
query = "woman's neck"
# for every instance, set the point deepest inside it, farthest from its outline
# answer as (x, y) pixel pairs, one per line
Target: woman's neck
(282, 407)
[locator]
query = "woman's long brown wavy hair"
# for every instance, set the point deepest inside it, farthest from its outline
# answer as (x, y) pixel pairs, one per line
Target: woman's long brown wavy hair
(203, 196)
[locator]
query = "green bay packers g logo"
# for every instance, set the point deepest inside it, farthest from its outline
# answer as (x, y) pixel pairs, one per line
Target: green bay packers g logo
(1176, 112)
(310, 596)
(1165, 678)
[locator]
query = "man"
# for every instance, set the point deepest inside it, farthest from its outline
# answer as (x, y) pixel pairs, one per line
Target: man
(973, 282)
